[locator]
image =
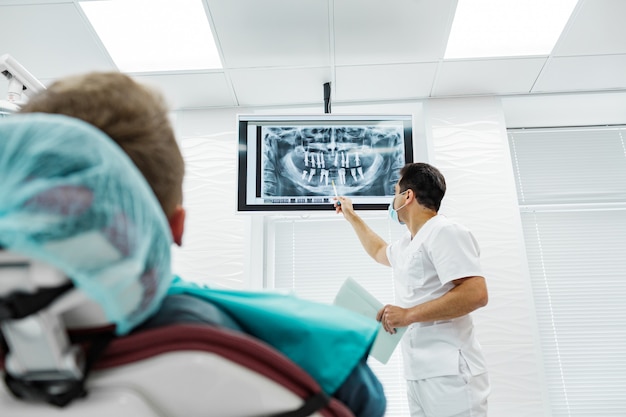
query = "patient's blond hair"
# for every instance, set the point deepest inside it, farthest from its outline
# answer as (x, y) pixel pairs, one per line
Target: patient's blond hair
(133, 115)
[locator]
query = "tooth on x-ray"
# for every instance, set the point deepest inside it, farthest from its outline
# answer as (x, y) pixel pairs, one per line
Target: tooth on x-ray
(324, 176)
(357, 163)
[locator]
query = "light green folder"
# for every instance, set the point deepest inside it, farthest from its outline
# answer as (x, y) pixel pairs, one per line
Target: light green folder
(354, 297)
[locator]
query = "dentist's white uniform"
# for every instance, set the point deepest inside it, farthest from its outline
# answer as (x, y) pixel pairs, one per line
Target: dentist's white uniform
(443, 362)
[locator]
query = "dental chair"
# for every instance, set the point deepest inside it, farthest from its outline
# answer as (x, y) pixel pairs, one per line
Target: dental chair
(174, 371)
(60, 356)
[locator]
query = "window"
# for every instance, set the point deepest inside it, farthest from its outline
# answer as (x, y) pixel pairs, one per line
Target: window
(314, 256)
(571, 185)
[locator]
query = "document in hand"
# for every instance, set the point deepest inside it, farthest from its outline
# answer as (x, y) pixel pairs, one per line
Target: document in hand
(354, 297)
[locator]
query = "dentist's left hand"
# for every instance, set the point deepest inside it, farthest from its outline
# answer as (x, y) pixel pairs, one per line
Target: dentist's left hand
(392, 317)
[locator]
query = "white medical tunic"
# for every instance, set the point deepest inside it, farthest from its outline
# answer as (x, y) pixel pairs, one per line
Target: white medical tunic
(424, 268)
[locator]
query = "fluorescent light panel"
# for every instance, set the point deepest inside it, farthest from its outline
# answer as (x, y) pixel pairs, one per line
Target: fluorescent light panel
(496, 28)
(154, 35)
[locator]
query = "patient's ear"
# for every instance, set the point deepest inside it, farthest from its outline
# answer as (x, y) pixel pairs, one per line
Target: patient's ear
(177, 224)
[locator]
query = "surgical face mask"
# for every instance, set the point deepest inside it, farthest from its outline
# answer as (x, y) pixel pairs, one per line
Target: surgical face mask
(393, 213)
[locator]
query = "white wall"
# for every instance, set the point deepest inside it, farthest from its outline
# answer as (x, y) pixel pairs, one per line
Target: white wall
(608, 108)
(216, 240)
(466, 139)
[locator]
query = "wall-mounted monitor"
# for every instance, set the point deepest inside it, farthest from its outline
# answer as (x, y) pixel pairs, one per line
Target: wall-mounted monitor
(295, 163)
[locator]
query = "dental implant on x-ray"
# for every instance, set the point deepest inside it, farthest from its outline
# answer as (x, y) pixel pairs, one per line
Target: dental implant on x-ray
(357, 167)
(312, 172)
(315, 162)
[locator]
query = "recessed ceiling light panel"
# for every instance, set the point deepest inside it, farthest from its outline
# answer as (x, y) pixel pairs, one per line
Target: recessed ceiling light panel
(154, 35)
(497, 28)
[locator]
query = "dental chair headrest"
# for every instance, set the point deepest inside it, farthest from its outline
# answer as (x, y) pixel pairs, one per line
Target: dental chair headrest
(72, 199)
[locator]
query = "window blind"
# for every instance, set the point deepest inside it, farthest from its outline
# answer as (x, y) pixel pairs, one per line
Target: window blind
(571, 186)
(313, 257)
(574, 165)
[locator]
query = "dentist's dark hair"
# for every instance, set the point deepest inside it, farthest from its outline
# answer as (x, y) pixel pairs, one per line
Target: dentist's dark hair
(426, 181)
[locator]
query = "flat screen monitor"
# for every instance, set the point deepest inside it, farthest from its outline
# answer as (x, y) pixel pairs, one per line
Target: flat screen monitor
(295, 163)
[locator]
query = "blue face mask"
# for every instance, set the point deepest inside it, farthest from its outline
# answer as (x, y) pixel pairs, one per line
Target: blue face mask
(393, 213)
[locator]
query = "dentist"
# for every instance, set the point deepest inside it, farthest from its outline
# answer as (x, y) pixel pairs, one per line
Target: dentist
(438, 283)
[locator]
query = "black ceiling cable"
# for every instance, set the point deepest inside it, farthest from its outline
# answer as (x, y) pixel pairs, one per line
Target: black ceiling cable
(327, 98)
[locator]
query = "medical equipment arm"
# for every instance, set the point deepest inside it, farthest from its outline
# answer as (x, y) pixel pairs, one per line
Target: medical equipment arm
(20, 80)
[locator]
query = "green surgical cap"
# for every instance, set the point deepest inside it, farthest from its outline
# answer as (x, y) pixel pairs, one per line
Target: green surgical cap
(70, 197)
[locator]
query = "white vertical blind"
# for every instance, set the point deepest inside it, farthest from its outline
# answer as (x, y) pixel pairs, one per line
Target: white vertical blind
(574, 165)
(571, 186)
(314, 256)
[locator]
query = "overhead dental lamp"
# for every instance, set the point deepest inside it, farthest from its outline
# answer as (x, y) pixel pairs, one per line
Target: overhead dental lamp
(22, 84)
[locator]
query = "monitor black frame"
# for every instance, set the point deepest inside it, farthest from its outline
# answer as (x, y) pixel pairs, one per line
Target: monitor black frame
(250, 178)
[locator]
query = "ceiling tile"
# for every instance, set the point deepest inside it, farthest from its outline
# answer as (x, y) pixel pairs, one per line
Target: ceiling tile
(188, 91)
(384, 82)
(540, 110)
(280, 52)
(583, 74)
(597, 28)
(494, 76)
(51, 40)
(272, 33)
(268, 87)
(389, 32)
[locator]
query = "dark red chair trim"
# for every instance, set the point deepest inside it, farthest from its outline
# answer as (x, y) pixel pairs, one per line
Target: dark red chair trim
(234, 346)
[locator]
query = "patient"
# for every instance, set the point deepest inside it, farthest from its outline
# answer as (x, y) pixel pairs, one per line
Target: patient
(331, 344)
